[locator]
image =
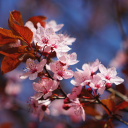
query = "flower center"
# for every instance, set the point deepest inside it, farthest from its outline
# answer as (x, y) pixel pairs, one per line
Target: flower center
(34, 70)
(60, 73)
(44, 107)
(97, 86)
(107, 77)
(45, 40)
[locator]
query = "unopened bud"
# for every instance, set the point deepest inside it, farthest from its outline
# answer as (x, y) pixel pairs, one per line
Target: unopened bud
(66, 106)
(108, 85)
(67, 100)
(89, 90)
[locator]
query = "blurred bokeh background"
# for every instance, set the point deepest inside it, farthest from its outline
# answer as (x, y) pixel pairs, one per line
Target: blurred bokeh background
(100, 28)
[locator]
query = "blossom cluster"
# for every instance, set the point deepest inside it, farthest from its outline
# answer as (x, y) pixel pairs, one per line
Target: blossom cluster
(93, 77)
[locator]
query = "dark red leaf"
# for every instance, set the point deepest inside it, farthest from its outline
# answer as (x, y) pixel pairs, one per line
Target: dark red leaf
(15, 17)
(8, 34)
(91, 111)
(9, 63)
(16, 50)
(110, 105)
(25, 33)
(122, 105)
(36, 19)
(6, 40)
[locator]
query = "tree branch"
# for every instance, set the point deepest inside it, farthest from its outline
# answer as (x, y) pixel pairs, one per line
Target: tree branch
(120, 95)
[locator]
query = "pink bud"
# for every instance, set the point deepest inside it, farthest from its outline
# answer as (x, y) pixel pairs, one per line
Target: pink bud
(67, 100)
(108, 85)
(89, 90)
(66, 106)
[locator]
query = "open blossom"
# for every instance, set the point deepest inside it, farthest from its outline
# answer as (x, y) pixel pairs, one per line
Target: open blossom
(45, 87)
(52, 24)
(78, 109)
(81, 77)
(60, 71)
(43, 108)
(40, 107)
(66, 39)
(93, 67)
(67, 59)
(33, 69)
(13, 88)
(97, 83)
(109, 75)
(45, 37)
(75, 92)
(34, 106)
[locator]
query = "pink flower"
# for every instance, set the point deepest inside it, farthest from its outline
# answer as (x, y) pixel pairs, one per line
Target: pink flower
(93, 67)
(75, 92)
(52, 24)
(81, 77)
(45, 87)
(60, 71)
(78, 109)
(119, 60)
(43, 108)
(34, 106)
(97, 83)
(109, 75)
(12, 88)
(33, 69)
(66, 40)
(39, 107)
(67, 59)
(45, 36)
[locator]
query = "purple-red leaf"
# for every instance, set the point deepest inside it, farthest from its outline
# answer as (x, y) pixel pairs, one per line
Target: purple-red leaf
(36, 19)
(110, 105)
(9, 63)
(122, 105)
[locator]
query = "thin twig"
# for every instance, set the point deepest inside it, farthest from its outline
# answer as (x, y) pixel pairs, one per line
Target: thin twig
(111, 112)
(120, 95)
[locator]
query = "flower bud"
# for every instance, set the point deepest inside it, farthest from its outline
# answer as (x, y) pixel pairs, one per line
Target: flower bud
(89, 90)
(66, 106)
(67, 100)
(108, 85)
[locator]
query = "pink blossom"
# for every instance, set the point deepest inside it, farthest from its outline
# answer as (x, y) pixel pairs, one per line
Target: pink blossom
(56, 110)
(66, 40)
(78, 109)
(109, 75)
(12, 88)
(97, 83)
(119, 60)
(52, 24)
(81, 77)
(45, 87)
(43, 108)
(33, 69)
(93, 67)
(45, 36)
(34, 106)
(60, 71)
(75, 92)
(67, 59)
